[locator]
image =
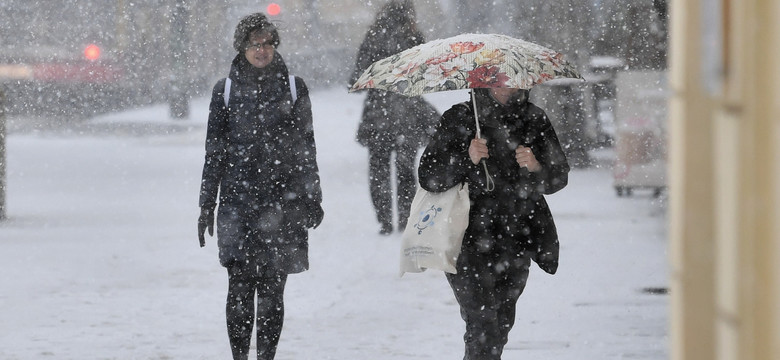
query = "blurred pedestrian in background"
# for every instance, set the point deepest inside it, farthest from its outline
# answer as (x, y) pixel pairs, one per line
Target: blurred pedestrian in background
(261, 162)
(393, 127)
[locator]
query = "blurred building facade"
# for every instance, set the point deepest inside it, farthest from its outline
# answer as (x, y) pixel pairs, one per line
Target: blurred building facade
(320, 38)
(43, 65)
(324, 35)
(154, 43)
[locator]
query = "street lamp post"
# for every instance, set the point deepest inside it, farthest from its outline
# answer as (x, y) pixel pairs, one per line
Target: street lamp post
(2, 156)
(178, 100)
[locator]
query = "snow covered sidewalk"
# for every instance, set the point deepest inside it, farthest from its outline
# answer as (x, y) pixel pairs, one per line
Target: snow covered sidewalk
(100, 258)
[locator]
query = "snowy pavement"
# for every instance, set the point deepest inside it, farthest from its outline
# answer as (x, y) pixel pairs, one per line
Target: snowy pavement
(100, 259)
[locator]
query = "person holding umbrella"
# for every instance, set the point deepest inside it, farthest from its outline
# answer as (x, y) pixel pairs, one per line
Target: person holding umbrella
(507, 151)
(392, 124)
(261, 164)
(509, 225)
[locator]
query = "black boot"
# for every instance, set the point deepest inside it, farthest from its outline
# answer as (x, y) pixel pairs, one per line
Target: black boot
(386, 229)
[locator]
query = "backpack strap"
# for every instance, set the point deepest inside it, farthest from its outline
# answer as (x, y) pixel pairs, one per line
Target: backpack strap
(293, 90)
(226, 92)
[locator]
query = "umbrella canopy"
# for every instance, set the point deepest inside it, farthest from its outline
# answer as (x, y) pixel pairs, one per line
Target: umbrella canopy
(466, 61)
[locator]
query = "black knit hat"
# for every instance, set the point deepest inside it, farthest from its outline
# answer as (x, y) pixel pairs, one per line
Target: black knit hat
(250, 24)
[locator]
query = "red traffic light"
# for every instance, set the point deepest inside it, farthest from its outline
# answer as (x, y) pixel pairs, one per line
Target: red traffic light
(273, 9)
(92, 52)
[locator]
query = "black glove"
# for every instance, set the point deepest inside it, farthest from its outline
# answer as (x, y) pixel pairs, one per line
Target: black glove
(314, 215)
(206, 220)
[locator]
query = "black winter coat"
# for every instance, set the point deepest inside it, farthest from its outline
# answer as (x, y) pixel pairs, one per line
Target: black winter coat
(391, 120)
(516, 208)
(260, 151)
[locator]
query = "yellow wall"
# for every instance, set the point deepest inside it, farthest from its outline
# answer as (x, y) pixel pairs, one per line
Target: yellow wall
(725, 183)
(690, 188)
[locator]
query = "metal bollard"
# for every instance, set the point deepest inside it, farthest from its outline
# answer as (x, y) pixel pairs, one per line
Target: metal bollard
(2, 155)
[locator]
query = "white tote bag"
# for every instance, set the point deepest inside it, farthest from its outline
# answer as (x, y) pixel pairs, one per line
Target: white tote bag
(435, 229)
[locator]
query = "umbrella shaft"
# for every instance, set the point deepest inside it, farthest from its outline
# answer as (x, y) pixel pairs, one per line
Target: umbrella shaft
(476, 117)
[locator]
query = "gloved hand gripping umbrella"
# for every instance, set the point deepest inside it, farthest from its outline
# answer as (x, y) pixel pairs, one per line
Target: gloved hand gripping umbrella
(466, 61)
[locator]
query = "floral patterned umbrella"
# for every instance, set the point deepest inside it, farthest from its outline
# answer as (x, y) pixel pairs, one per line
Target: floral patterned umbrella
(465, 62)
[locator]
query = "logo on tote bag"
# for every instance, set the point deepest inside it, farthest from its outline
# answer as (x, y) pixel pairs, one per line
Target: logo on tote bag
(426, 219)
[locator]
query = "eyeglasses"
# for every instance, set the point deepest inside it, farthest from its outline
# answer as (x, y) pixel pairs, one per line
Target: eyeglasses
(257, 47)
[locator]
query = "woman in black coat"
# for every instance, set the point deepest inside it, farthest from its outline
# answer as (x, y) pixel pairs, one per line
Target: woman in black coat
(510, 223)
(392, 123)
(261, 163)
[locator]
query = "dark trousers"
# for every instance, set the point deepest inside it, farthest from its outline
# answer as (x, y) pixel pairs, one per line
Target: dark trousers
(381, 183)
(487, 287)
(243, 284)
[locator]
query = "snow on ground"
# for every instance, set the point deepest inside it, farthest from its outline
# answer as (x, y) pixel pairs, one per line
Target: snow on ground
(100, 258)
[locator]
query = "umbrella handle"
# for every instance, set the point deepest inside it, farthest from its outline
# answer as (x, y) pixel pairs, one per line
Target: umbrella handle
(489, 183)
(476, 116)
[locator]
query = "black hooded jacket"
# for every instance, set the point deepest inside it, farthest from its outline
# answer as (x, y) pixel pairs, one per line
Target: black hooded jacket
(390, 118)
(517, 203)
(260, 150)
(394, 30)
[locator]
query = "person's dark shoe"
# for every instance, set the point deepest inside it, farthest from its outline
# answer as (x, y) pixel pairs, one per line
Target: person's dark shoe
(386, 229)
